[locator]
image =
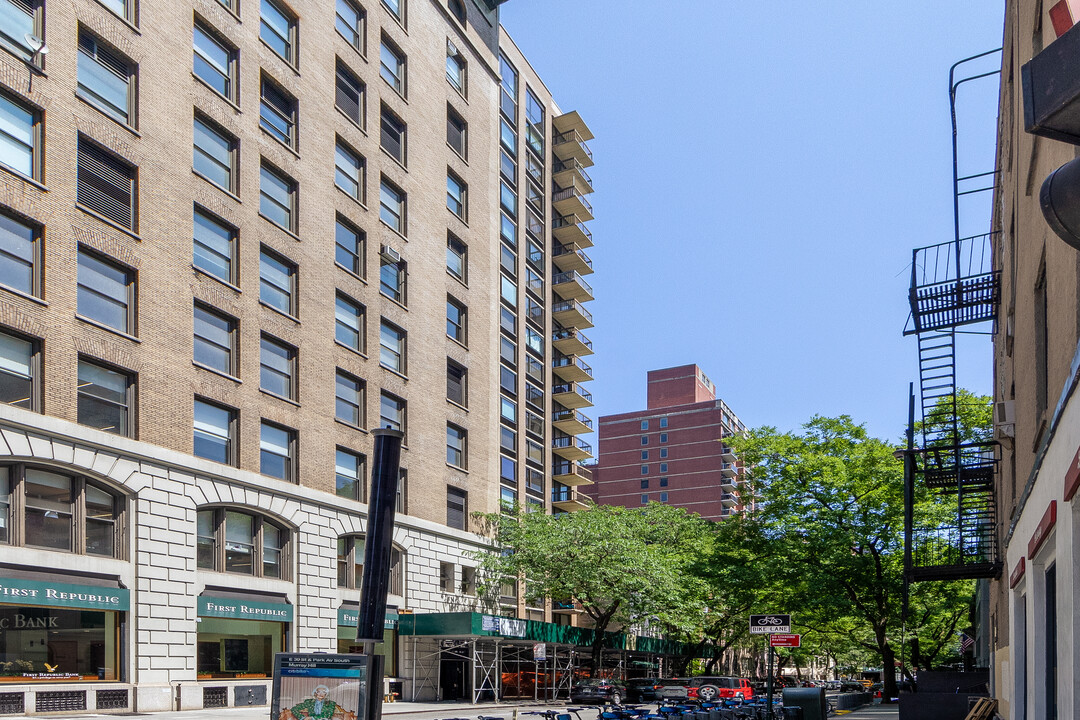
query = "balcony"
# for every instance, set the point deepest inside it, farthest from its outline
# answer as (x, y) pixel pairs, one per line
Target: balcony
(571, 201)
(569, 258)
(728, 512)
(572, 174)
(729, 499)
(571, 369)
(572, 121)
(727, 454)
(569, 229)
(571, 422)
(569, 341)
(728, 485)
(571, 395)
(567, 607)
(729, 470)
(571, 313)
(571, 145)
(953, 284)
(571, 448)
(570, 473)
(568, 499)
(571, 286)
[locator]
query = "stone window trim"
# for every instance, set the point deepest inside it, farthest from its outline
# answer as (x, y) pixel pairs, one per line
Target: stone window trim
(353, 557)
(218, 514)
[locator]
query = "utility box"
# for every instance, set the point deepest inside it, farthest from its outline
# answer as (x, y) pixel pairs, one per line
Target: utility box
(810, 701)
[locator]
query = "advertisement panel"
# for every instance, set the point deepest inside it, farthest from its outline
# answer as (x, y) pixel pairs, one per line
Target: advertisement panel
(320, 686)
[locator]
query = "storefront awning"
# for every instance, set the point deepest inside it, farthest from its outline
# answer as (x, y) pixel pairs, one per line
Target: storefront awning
(244, 606)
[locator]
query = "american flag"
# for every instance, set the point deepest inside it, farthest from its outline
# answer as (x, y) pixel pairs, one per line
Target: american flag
(966, 642)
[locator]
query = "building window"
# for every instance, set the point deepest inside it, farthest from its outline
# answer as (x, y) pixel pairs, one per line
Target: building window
(508, 89)
(456, 257)
(277, 368)
(105, 398)
(663, 497)
(644, 454)
(215, 62)
(644, 469)
(455, 383)
(663, 453)
(508, 290)
(508, 229)
(20, 135)
(534, 341)
(392, 206)
(277, 282)
(508, 410)
(391, 412)
(456, 132)
(392, 280)
(106, 185)
(391, 347)
(457, 508)
(277, 451)
(508, 198)
(277, 28)
(350, 563)
(349, 472)
(349, 249)
(402, 505)
(396, 8)
(447, 579)
(349, 406)
(20, 256)
(508, 136)
(392, 66)
(663, 437)
(19, 371)
(277, 113)
(644, 438)
(457, 9)
(277, 198)
(663, 422)
(456, 446)
(349, 172)
(663, 482)
(392, 136)
(456, 194)
(508, 259)
(106, 79)
(455, 320)
(534, 121)
(106, 292)
(645, 483)
(349, 97)
(215, 156)
(123, 8)
(507, 166)
(507, 440)
(508, 380)
(508, 351)
(237, 542)
(455, 67)
(507, 320)
(214, 247)
(663, 467)
(349, 22)
(215, 432)
(215, 340)
(349, 323)
(19, 19)
(60, 512)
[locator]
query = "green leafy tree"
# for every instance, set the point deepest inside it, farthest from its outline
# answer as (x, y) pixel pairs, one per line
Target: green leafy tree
(831, 506)
(623, 565)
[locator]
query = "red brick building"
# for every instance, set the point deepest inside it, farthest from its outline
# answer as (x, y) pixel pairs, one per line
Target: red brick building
(673, 451)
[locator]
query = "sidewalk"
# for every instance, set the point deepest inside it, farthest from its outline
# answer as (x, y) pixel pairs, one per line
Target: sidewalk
(871, 712)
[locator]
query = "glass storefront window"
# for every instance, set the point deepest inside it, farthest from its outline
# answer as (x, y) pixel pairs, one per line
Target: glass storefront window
(229, 648)
(387, 648)
(45, 644)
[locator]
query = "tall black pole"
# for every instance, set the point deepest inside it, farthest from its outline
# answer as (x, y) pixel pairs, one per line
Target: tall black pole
(385, 468)
(768, 705)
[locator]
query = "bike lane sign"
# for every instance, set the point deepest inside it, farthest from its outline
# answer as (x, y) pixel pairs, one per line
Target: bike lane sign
(769, 624)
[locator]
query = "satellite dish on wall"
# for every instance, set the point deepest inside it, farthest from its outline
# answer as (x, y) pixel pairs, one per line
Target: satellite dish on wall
(36, 44)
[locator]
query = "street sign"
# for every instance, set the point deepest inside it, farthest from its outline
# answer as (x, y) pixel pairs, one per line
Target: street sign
(769, 624)
(785, 640)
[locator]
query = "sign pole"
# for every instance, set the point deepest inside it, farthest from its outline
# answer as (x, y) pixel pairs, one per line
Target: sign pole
(769, 694)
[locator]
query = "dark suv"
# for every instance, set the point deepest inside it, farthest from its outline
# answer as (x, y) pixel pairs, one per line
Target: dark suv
(642, 689)
(607, 692)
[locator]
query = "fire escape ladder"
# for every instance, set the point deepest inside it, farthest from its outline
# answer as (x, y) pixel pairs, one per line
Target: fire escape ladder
(950, 531)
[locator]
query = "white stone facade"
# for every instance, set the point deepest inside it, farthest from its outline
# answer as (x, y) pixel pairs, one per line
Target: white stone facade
(164, 490)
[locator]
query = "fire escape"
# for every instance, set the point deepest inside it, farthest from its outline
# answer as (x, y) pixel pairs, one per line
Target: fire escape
(950, 523)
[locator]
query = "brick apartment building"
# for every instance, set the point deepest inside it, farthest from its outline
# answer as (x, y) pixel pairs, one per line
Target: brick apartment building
(673, 451)
(234, 235)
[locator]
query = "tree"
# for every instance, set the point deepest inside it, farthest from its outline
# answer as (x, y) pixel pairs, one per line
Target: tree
(831, 505)
(624, 565)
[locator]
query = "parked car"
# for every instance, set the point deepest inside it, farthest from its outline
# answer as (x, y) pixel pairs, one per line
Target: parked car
(643, 689)
(708, 687)
(852, 686)
(598, 691)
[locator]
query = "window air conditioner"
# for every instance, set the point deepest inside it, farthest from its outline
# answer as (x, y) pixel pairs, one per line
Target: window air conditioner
(1005, 418)
(389, 254)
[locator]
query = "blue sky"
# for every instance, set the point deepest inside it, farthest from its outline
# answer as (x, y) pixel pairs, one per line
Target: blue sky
(763, 172)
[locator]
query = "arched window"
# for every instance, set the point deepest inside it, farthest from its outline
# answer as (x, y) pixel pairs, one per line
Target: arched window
(245, 543)
(60, 511)
(350, 551)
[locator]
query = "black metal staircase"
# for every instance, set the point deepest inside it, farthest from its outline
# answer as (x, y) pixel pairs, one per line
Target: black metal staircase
(950, 528)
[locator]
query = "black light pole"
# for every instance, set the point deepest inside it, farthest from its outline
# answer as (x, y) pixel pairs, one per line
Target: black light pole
(385, 468)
